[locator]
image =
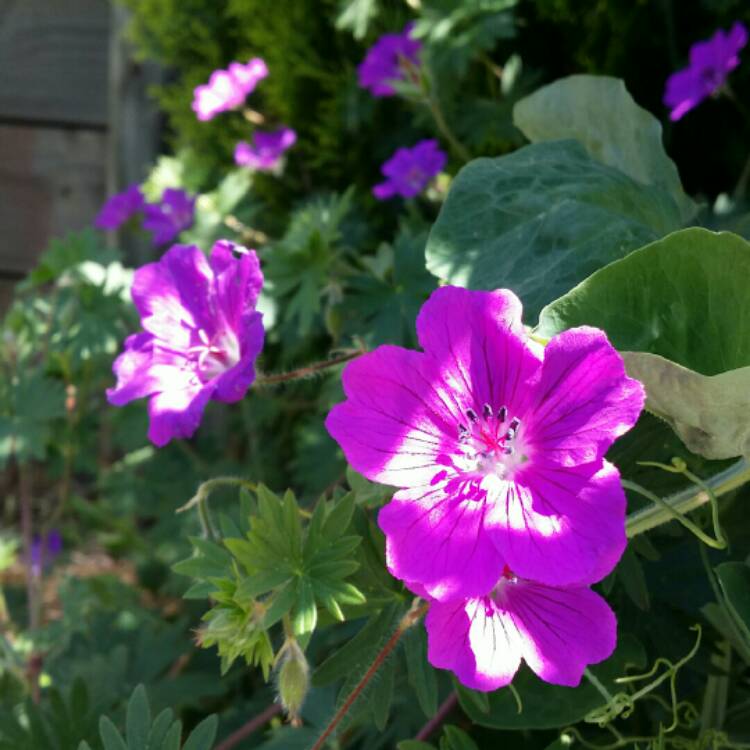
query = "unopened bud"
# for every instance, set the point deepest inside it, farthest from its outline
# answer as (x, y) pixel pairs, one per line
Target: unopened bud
(293, 679)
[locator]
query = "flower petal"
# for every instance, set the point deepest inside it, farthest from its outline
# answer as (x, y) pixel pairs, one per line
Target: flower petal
(475, 641)
(232, 385)
(583, 400)
(171, 295)
(238, 280)
(399, 420)
(562, 630)
(561, 526)
(480, 345)
(177, 413)
(437, 539)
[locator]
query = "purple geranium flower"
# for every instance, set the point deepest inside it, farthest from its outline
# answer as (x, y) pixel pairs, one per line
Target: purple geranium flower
(44, 549)
(387, 60)
(409, 170)
(228, 89)
(266, 150)
(556, 631)
(498, 448)
(172, 215)
(711, 62)
(201, 336)
(119, 208)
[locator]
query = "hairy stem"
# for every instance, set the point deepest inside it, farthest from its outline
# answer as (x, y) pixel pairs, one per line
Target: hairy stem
(444, 710)
(437, 114)
(306, 372)
(410, 618)
(689, 499)
(256, 723)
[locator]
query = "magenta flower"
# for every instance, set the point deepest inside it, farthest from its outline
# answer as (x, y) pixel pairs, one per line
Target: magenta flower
(387, 61)
(228, 89)
(498, 448)
(556, 631)
(410, 170)
(266, 150)
(172, 215)
(201, 336)
(711, 62)
(120, 208)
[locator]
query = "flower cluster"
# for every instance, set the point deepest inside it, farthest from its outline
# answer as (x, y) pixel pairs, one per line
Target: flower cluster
(173, 214)
(389, 60)
(228, 89)
(711, 61)
(264, 154)
(201, 336)
(410, 170)
(506, 510)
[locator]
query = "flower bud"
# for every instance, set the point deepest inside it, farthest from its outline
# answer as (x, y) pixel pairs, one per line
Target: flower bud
(293, 679)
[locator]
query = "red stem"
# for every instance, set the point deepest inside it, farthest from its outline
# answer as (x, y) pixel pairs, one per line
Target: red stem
(251, 726)
(408, 620)
(305, 372)
(440, 716)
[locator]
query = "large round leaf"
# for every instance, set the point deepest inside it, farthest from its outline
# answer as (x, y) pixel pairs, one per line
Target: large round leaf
(681, 307)
(599, 112)
(542, 219)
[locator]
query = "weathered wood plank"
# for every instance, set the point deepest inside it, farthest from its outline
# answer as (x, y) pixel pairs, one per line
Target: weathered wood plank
(54, 61)
(51, 181)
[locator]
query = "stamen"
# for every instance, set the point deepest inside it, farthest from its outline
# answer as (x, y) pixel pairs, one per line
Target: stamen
(487, 411)
(502, 413)
(515, 423)
(472, 415)
(463, 432)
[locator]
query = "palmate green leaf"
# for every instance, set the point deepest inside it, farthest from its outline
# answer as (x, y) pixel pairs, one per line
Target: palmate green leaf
(683, 299)
(547, 706)
(599, 112)
(540, 220)
(456, 739)
(356, 16)
(138, 720)
(202, 737)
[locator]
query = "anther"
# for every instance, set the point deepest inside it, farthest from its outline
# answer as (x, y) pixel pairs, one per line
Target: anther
(515, 423)
(502, 413)
(462, 430)
(472, 415)
(487, 411)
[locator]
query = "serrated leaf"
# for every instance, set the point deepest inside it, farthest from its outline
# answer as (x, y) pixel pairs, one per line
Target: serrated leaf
(174, 737)
(359, 649)
(381, 696)
(305, 615)
(110, 737)
(420, 673)
(456, 739)
(202, 737)
(281, 602)
(159, 729)
(251, 587)
(138, 719)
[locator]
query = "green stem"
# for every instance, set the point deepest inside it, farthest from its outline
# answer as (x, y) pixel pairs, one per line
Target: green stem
(689, 499)
(207, 487)
(205, 519)
(594, 680)
(718, 543)
(437, 114)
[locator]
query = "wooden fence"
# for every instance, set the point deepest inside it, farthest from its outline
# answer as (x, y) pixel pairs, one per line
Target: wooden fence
(75, 122)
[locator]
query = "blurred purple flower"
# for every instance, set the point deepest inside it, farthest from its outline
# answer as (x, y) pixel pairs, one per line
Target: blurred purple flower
(172, 215)
(711, 61)
(44, 550)
(201, 336)
(386, 61)
(266, 150)
(228, 89)
(119, 208)
(409, 170)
